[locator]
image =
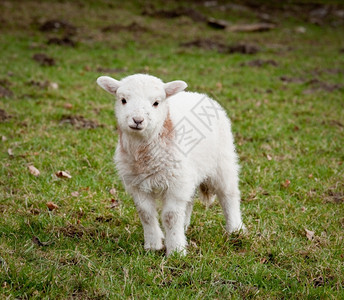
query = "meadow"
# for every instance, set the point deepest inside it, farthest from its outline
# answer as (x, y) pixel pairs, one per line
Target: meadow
(68, 229)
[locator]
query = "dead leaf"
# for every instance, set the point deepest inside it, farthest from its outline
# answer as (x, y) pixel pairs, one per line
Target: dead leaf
(34, 171)
(268, 157)
(3, 138)
(193, 244)
(52, 205)
(68, 106)
(263, 260)
(114, 203)
(54, 85)
(37, 241)
(75, 194)
(286, 183)
(10, 152)
(310, 234)
(43, 59)
(300, 29)
(113, 192)
(63, 174)
(219, 85)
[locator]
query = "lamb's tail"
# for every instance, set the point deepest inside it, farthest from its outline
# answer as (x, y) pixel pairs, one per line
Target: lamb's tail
(207, 193)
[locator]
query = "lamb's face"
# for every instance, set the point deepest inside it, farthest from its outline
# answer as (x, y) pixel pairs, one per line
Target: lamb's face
(140, 107)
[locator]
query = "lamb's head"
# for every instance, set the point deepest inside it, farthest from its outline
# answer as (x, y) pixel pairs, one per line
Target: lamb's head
(141, 108)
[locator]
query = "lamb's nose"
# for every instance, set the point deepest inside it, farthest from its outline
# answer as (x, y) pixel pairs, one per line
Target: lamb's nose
(138, 120)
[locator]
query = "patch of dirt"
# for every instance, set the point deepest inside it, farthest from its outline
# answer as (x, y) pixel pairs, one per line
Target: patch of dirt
(5, 82)
(243, 49)
(5, 92)
(333, 71)
(334, 197)
(39, 84)
(208, 44)
(56, 25)
(80, 122)
(133, 27)
(65, 41)
(317, 85)
(110, 70)
(287, 79)
(104, 219)
(73, 231)
(333, 123)
(260, 63)
(43, 59)
(175, 13)
(4, 116)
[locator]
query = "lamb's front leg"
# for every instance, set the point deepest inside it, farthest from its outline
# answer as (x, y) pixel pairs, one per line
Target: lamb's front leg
(173, 219)
(146, 208)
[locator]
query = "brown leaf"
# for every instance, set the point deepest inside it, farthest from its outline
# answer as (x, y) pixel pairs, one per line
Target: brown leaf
(54, 85)
(68, 105)
(310, 234)
(43, 59)
(286, 183)
(34, 171)
(75, 194)
(63, 174)
(113, 192)
(52, 205)
(114, 204)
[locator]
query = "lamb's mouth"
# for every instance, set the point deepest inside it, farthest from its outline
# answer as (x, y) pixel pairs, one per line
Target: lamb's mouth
(135, 127)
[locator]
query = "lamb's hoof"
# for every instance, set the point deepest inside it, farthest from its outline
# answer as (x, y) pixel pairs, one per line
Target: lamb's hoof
(181, 251)
(155, 246)
(239, 228)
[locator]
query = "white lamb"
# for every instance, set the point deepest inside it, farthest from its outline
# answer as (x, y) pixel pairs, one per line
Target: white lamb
(171, 143)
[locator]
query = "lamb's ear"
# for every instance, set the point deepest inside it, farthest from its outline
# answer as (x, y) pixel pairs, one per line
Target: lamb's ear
(174, 87)
(108, 84)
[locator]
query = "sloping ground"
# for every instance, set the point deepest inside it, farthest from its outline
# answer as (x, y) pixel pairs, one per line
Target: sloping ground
(278, 71)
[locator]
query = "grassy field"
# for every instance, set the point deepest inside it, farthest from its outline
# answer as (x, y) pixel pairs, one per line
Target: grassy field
(286, 103)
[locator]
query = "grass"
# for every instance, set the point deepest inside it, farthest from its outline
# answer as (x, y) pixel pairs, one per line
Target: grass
(289, 135)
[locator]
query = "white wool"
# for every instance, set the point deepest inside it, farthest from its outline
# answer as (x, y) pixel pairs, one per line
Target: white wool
(172, 142)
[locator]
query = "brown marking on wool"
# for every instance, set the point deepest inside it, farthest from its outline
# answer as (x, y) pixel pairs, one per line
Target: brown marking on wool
(143, 155)
(142, 159)
(144, 216)
(167, 132)
(170, 219)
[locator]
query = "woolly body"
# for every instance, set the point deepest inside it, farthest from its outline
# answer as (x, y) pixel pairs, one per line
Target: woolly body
(170, 143)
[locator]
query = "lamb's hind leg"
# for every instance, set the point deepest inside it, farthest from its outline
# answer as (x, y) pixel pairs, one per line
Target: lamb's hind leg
(229, 196)
(146, 208)
(230, 202)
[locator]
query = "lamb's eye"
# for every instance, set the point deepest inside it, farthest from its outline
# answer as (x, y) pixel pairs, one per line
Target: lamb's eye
(156, 103)
(124, 101)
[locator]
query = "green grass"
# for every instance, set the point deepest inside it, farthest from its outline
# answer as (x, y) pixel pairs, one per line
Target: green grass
(284, 131)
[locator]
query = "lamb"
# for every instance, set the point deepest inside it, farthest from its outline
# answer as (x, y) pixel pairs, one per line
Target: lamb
(171, 143)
